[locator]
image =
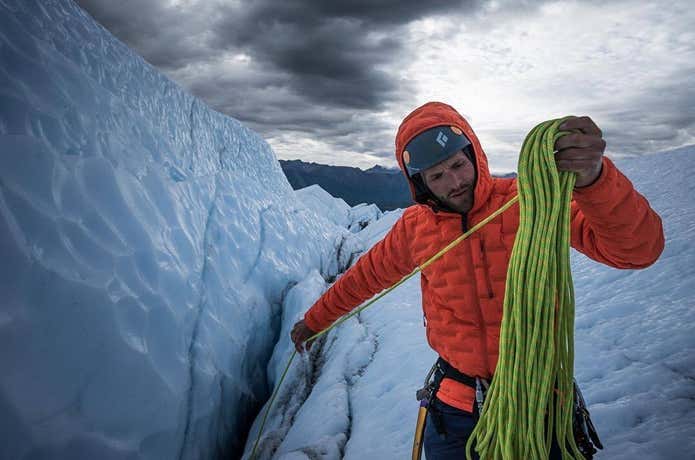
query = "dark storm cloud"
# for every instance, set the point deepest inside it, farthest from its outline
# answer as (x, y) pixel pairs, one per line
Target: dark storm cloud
(283, 112)
(338, 53)
(335, 53)
(316, 67)
(168, 37)
(332, 72)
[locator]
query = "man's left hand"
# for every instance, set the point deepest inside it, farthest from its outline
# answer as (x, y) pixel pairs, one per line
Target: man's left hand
(581, 151)
(300, 336)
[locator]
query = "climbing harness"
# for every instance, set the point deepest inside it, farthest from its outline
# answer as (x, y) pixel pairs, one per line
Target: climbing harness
(585, 434)
(531, 398)
(426, 395)
(357, 311)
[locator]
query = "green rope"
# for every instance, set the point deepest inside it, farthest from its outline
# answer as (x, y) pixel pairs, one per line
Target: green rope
(357, 311)
(531, 394)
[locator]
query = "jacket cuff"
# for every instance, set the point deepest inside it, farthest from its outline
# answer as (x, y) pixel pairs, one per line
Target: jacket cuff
(601, 187)
(311, 322)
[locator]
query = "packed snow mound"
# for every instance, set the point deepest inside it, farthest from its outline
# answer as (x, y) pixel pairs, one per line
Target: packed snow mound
(353, 396)
(318, 199)
(362, 215)
(354, 218)
(148, 243)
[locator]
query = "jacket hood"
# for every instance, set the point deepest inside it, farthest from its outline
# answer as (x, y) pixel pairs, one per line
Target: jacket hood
(439, 114)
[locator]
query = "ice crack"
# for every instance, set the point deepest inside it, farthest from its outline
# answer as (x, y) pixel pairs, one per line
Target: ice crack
(192, 349)
(352, 379)
(293, 396)
(261, 243)
(339, 254)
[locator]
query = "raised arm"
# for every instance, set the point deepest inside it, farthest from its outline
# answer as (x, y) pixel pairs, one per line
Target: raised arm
(611, 222)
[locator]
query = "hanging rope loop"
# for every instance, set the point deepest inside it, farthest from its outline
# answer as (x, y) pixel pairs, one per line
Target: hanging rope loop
(530, 398)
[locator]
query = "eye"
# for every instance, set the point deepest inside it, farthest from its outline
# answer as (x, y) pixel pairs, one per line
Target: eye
(434, 177)
(457, 165)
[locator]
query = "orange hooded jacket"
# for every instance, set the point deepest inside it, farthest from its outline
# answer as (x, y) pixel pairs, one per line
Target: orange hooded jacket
(463, 292)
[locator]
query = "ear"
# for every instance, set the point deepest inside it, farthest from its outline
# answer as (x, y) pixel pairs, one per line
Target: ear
(423, 195)
(423, 181)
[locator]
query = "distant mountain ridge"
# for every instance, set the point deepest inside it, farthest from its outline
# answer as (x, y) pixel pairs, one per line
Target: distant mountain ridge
(382, 186)
(385, 187)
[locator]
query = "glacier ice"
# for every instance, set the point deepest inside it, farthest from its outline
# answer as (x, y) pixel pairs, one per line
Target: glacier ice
(147, 242)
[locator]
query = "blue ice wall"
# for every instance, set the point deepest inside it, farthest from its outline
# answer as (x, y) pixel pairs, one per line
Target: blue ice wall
(146, 244)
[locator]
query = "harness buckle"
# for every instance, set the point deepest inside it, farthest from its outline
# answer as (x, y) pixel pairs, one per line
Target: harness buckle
(481, 387)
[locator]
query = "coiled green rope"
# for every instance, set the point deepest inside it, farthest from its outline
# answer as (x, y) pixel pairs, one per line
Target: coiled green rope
(531, 394)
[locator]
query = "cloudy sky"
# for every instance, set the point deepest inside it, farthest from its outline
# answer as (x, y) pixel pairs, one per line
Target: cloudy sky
(330, 81)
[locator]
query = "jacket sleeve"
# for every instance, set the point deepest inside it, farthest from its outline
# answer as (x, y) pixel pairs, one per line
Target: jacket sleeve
(385, 263)
(613, 224)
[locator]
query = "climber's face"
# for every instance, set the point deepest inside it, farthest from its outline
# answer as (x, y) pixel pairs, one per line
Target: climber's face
(452, 181)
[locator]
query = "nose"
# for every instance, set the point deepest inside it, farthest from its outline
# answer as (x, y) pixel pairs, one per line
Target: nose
(461, 179)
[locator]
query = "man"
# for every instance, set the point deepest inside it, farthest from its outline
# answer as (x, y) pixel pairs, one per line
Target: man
(462, 293)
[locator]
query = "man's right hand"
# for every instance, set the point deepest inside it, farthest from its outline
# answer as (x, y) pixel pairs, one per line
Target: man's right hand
(300, 333)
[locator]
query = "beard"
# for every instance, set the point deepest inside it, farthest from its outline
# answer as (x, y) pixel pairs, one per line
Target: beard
(461, 203)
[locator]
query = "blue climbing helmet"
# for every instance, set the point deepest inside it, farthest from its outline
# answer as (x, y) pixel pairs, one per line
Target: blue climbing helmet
(432, 146)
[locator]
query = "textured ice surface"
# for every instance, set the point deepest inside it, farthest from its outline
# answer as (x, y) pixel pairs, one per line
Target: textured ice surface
(362, 215)
(354, 396)
(337, 210)
(147, 243)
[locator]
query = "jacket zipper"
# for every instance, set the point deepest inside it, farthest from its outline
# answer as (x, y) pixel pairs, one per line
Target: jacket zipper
(488, 282)
(481, 320)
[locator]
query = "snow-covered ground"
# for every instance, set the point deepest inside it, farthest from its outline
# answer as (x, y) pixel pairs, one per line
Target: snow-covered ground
(353, 396)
